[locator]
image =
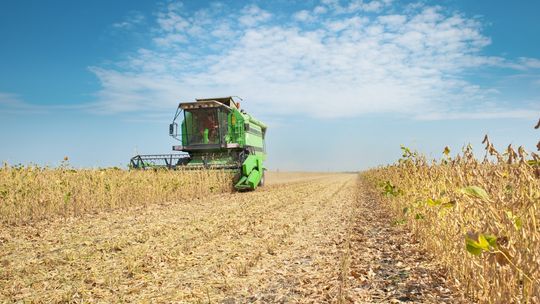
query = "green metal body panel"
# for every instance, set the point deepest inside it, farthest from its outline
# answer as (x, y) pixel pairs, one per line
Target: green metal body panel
(252, 172)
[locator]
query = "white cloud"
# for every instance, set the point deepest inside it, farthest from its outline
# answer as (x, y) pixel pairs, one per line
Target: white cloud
(304, 16)
(13, 104)
(10, 100)
(491, 114)
(320, 10)
(353, 23)
(170, 39)
(354, 6)
(529, 63)
(133, 19)
(414, 63)
(253, 15)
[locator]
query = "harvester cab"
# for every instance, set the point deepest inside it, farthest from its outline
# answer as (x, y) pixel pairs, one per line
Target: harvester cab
(214, 134)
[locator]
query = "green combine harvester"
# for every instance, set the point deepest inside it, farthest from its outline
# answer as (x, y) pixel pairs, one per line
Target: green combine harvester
(215, 134)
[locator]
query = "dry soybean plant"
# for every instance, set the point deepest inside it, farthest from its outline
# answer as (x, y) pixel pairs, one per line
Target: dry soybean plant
(29, 193)
(479, 218)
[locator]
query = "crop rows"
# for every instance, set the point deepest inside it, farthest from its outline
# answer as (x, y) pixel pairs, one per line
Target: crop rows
(281, 243)
(479, 219)
(29, 193)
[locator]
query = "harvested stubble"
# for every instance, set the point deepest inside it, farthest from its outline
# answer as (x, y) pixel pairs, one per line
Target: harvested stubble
(478, 218)
(281, 243)
(33, 193)
(316, 240)
(277, 177)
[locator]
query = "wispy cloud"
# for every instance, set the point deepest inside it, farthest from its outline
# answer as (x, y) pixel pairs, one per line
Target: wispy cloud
(493, 113)
(132, 19)
(355, 6)
(304, 16)
(13, 104)
(331, 60)
(530, 63)
(10, 100)
(252, 15)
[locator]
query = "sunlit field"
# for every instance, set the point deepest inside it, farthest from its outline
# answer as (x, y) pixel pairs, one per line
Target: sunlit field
(479, 218)
(466, 228)
(30, 193)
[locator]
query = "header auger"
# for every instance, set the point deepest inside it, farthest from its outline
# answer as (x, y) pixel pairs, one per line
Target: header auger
(214, 134)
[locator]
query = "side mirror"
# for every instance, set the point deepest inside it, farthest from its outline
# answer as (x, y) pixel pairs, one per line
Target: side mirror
(173, 128)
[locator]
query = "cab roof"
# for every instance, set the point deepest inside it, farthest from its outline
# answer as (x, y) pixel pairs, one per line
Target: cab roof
(228, 101)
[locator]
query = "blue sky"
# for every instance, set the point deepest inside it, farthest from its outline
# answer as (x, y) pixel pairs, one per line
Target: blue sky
(341, 83)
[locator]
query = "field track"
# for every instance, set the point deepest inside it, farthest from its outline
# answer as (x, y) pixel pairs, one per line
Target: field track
(315, 239)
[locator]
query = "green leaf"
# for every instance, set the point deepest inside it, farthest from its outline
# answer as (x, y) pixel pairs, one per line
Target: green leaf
(516, 220)
(475, 191)
(518, 223)
(472, 248)
(399, 222)
(419, 216)
(446, 151)
(432, 202)
(483, 242)
(67, 197)
(476, 243)
(3, 192)
(449, 204)
(472, 243)
(405, 210)
(491, 239)
(406, 151)
(534, 162)
(391, 190)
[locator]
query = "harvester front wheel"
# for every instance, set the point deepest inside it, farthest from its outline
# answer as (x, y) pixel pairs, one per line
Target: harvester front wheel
(261, 183)
(236, 177)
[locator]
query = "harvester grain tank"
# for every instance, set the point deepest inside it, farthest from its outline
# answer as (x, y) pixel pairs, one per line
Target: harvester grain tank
(214, 134)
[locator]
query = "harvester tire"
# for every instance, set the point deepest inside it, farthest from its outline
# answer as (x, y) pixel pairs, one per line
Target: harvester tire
(237, 177)
(261, 182)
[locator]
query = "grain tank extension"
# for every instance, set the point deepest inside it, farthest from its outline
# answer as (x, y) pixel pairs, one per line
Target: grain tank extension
(214, 134)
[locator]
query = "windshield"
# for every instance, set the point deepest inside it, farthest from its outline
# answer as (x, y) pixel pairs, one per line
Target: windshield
(201, 126)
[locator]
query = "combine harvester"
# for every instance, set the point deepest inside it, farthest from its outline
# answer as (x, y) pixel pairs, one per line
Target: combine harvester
(215, 134)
